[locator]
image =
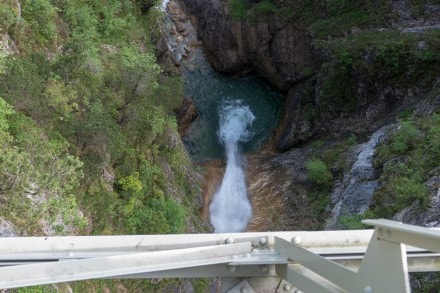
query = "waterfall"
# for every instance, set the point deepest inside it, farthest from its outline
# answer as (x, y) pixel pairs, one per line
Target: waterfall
(221, 128)
(230, 210)
(164, 4)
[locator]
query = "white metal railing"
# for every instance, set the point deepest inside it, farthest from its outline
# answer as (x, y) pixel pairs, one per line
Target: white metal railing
(312, 261)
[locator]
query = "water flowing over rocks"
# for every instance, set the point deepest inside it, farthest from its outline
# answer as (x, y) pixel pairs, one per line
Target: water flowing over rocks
(287, 54)
(353, 194)
(277, 186)
(230, 209)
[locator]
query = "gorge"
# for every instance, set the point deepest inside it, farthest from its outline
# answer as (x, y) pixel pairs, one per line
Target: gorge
(341, 85)
(109, 117)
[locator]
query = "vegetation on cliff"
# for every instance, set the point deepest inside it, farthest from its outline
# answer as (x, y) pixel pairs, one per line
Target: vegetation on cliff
(366, 59)
(408, 159)
(372, 64)
(88, 93)
(88, 138)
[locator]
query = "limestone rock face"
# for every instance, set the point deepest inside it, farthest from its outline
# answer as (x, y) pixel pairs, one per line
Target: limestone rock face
(278, 188)
(185, 114)
(7, 229)
(353, 194)
(324, 95)
(276, 48)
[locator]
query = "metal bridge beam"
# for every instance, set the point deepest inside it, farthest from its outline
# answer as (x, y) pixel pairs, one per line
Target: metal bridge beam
(384, 267)
(318, 261)
(119, 265)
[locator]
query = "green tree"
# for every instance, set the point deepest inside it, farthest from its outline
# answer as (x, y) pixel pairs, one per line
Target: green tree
(41, 17)
(139, 70)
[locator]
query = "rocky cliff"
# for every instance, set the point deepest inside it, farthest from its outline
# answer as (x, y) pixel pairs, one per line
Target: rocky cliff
(347, 68)
(330, 58)
(276, 47)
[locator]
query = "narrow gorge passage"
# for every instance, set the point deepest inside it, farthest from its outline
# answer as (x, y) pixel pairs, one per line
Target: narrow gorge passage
(227, 108)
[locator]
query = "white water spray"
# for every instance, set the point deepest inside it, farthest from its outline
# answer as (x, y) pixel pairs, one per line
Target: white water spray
(164, 4)
(230, 210)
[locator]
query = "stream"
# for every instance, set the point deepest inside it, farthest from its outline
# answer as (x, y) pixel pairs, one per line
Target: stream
(235, 116)
(209, 91)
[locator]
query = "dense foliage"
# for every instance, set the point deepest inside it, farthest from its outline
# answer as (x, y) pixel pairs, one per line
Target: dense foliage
(36, 170)
(88, 136)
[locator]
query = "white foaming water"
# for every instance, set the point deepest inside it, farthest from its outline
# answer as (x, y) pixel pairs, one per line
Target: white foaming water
(230, 210)
(163, 7)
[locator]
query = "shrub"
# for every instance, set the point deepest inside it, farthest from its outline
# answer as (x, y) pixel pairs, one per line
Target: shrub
(407, 158)
(111, 24)
(401, 142)
(131, 183)
(319, 173)
(354, 222)
(336, 155)
(8, 15)
(407, 190)
(41, 16)
(238, 8)
(433, 137)
(264, 7)
(404, 139)
(153, 215)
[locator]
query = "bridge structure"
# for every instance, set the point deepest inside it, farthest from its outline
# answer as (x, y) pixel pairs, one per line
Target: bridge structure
(376, 260)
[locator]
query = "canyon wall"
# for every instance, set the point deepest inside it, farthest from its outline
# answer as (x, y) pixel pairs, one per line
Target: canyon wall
(346, 68)
(339, 75)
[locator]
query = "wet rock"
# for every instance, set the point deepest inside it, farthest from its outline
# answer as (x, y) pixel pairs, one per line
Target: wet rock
(295, 128)
(182, 38)
(145, 5)
(174, 8)
(185, 114)
(354, 193)
(420, 29)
